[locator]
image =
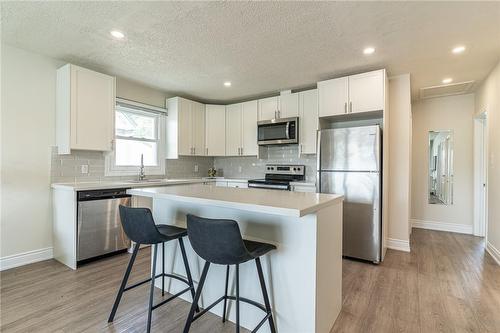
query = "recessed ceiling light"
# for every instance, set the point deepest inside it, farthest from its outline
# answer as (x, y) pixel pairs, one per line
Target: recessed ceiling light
(117, 34)
(447, 80)
(227, 84)
(369, 50)
(458, 49)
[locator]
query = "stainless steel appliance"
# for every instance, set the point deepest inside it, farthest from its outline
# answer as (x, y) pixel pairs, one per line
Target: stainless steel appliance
(278, 131)
(99, 227)
(349, 163)
(278, 177)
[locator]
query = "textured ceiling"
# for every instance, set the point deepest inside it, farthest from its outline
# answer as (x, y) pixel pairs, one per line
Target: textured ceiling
(191, 48)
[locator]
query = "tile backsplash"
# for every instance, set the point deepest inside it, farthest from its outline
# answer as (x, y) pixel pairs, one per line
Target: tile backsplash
(252, 167)
(67, 168)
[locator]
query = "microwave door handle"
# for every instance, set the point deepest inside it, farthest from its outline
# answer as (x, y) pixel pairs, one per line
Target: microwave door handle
(288, 130)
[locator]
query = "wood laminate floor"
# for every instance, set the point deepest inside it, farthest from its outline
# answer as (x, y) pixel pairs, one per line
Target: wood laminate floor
(446, 284)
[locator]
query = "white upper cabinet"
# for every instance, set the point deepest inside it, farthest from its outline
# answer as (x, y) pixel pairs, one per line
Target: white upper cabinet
(366, 91)
(198, 118)
(233, 129)
(241, 129)
(249, 145)
(351, 94)
(333, 96)
(185, 128)
(308, 122)
(215, 130)
(85, 109)
(289, 106)
(268, 108)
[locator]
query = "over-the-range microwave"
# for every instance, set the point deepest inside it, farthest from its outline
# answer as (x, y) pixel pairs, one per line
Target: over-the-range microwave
(278, 131)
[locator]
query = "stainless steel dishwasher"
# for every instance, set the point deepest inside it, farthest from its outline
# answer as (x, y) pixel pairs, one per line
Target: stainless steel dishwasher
(100, 231)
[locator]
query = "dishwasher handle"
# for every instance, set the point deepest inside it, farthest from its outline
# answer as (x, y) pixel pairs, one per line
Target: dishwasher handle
(103, 194)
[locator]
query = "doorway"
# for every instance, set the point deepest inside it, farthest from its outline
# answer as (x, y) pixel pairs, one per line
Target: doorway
(480, 175)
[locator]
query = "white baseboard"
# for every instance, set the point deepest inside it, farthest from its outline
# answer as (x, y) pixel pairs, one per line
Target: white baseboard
(494, 252)
(25, 258)
(442, 226)
(398, 244)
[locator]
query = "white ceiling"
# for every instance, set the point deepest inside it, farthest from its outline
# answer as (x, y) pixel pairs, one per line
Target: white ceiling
(191, 48)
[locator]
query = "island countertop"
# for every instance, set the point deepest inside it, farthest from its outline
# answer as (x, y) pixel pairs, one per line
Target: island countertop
(296, 204)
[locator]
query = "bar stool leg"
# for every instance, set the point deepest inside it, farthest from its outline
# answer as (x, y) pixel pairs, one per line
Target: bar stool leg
(188, 271)
(225, 295)
(237, 298)
(162, 269)
(152, 288)
(264, 294)
(189, 320)
(123, 284)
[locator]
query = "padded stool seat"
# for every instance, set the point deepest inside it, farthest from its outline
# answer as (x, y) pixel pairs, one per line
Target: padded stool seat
(219, 241)
(140, 227)
(257, 249)
(171, 231)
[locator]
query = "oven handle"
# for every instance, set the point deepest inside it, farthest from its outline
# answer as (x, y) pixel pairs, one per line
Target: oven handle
(270, 186)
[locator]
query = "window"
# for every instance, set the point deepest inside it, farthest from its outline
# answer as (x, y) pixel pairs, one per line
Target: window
(138, 134)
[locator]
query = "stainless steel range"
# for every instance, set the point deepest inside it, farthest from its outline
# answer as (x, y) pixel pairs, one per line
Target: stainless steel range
(279, 177)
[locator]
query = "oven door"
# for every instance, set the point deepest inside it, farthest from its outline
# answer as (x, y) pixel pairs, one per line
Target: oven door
(278, 131)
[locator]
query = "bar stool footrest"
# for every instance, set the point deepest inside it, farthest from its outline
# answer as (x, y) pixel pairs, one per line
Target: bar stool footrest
(171, 298)
(242, 299)
(156, 277)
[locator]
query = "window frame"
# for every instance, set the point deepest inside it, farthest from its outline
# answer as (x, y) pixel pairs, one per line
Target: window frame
(111, 169)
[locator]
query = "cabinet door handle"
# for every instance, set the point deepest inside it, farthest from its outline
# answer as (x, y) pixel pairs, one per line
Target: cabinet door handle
(207, 151)
(345, 107)
(275, 114)
(350, 107)
(242, 151)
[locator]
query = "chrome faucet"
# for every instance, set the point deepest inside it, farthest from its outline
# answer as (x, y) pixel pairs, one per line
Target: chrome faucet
(142, 174)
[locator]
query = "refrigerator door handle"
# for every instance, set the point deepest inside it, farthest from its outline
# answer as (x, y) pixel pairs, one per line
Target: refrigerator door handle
(318, 161)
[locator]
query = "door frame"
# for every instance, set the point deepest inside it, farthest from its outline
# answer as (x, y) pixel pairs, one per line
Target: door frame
(480, 175)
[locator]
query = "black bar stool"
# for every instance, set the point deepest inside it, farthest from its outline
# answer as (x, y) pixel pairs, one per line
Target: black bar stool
(140, 227)
(219, 242)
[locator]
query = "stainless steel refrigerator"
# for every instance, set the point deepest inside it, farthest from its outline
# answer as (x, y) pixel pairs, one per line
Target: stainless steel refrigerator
(349, 163)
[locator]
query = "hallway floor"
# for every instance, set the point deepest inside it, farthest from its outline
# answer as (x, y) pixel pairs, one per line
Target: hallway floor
(446, 284)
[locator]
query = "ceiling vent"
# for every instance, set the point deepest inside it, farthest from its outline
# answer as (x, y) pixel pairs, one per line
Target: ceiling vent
(446, 90)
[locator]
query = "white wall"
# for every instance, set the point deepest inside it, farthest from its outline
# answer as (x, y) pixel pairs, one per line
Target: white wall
(445, 113)
(488, 99)
(28, 103)
(27, 133)
(399, 161)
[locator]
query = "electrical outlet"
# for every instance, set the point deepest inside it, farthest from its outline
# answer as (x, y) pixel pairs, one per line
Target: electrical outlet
(196, 168)
(85, 169)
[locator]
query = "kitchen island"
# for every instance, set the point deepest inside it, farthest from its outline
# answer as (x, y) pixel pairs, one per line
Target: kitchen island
(304, 274)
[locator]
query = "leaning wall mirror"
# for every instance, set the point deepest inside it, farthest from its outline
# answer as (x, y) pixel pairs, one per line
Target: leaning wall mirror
(441, 167)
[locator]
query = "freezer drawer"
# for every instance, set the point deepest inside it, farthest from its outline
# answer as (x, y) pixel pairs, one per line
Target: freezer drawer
(99, 227)
(361, 214)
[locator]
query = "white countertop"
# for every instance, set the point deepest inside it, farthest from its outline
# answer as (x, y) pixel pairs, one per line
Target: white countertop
(296, 204)
(83, 186)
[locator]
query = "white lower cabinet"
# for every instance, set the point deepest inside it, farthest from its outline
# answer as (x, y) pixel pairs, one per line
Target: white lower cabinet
(304, 188)
(237, 184)
(231, 183)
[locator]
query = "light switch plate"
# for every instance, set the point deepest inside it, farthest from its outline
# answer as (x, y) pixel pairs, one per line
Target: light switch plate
(85, 169)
